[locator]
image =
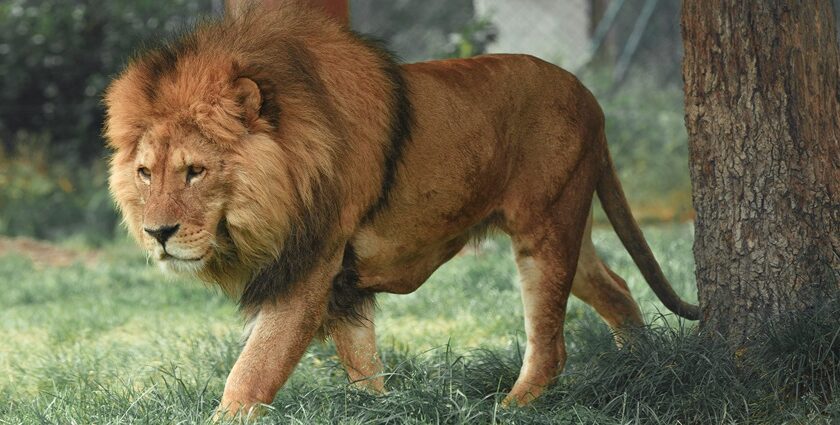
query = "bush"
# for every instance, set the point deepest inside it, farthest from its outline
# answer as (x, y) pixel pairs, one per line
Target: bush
(53, 199)
(56, 58)
(648, 142)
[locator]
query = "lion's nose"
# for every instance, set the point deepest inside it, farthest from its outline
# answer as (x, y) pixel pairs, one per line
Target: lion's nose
(163, 233)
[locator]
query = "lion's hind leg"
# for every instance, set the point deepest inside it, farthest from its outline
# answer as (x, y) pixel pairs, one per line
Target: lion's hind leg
(598, 286)
(546, 257)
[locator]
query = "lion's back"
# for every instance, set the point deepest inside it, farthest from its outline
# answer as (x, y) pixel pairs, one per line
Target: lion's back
(510, 88)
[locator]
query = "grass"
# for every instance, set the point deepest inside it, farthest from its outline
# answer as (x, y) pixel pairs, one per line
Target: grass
(117, 342)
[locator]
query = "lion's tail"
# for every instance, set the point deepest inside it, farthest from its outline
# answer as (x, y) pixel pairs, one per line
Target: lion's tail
(618, 211)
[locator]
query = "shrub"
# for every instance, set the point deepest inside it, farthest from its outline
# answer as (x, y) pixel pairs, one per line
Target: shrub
(53, 199)
(648, 142)
(56, 58)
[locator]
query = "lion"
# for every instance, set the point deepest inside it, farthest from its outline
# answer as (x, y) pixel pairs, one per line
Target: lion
(302, 169)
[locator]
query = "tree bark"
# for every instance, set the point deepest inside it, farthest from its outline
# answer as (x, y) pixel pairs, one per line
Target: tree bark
(762, 110)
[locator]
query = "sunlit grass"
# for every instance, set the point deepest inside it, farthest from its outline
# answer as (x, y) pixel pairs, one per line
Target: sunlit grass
(118, 342)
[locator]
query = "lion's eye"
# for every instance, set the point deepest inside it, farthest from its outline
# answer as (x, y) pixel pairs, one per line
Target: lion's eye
(144, 173)
(194, 172)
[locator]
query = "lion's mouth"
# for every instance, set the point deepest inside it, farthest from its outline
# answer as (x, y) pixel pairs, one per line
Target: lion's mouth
(172, 263)
(169, 257)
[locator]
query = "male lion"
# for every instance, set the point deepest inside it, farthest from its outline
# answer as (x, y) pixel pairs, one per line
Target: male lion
(296, 165)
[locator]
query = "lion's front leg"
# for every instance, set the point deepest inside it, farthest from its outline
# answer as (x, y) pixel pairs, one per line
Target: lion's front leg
(282, 332)
(355, 342)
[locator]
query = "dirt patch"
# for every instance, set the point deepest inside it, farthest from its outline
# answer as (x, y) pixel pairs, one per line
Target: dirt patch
(44, 254)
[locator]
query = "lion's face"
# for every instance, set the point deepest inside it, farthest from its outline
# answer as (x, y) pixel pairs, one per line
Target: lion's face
(179, 173)
(180, 186)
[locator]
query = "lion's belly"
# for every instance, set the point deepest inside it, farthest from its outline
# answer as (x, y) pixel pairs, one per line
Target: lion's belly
(398, 264)
(425, 224)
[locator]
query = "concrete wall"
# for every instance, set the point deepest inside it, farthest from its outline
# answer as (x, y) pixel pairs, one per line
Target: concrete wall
(554, 30)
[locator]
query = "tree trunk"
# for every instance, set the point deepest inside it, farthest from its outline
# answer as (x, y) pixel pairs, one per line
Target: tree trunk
(762, 110)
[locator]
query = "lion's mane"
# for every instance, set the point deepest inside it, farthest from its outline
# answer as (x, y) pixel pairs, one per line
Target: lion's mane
(318, 160)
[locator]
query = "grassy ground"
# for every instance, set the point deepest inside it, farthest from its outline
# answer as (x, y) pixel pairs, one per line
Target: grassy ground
(117, 342)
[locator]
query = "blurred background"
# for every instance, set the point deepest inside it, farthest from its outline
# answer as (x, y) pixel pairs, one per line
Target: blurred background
(57, 57)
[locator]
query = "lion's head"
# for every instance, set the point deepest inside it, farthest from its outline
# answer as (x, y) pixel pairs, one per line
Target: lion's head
(191, 164)
(232, 145)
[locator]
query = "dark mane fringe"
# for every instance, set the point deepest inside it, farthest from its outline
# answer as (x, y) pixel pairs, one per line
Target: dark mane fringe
(302, 249)
(347, 299)
(160, 62)
(402, 119)
(305, 245)
(307, 240)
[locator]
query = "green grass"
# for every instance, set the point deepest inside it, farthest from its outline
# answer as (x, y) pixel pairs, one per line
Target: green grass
(121, 343)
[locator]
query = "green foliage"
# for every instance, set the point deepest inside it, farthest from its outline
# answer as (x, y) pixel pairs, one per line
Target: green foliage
(119, 343)
(415, 30)
(56, 58)
(470, 40)
(53, 199)
(648, 142)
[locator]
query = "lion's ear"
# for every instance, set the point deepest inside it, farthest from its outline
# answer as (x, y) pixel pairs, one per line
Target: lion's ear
(248, 95)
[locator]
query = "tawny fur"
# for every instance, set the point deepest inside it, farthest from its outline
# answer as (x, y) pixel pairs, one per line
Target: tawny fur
(290, 118)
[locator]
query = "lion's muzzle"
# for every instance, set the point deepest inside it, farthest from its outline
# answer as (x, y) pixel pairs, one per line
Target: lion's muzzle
(162, 233)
